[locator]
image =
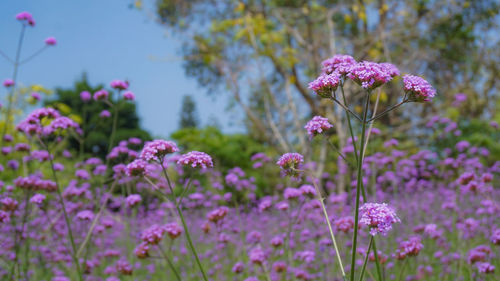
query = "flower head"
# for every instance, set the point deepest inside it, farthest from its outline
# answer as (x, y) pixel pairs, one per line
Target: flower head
(325, 84)
(409, 248)
(157, 149)
(136, 168)
(119, 84)
(85, 96)
(419, 90)
(153, 235)
(105, 114)
(379, 217)
(8, 82)
(341, 64)
(101, 95)
(26, 18)
(133, 199)
(128, 95)
(371, 75)
(317, 125)
(290, 163)
(50, 41)
(173, 230)
(196, 159)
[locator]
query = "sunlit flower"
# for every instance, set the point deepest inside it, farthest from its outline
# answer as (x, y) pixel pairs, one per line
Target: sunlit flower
(418, 89)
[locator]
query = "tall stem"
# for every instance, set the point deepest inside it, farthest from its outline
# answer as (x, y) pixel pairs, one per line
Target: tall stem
(169, 262)
(66, 218)
(325, 213)
(184, 225)
(366, 259)
(359, 179)
(14, 78)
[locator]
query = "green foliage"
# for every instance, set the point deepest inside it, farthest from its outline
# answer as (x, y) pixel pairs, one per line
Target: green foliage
(96, 129)
(227, 150)
(189, 116)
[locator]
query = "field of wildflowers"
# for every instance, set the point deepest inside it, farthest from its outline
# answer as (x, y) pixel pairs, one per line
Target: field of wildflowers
(151, 211)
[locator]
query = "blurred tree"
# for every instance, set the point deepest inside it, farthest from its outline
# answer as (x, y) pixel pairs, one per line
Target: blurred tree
(189, 115)
(263, 53)
(96, 130)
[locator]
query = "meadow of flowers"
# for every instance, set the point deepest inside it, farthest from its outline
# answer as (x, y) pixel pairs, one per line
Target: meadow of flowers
(150, 211)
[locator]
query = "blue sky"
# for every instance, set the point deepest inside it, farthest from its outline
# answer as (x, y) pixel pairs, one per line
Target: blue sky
(108, 40)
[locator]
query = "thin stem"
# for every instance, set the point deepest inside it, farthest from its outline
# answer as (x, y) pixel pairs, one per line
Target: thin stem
(366, 259)
(338, 151)
(358, 186)
(325, 213)
(113, 129)
(184, 225)
(377, 261)
(348, 111)
(33, 55)
(181, 197)
(94, 222)
(402, 270)
(349, 123)
(378, 116)
(66, 218)
(169, 262)
(14, 78)
(6, 57)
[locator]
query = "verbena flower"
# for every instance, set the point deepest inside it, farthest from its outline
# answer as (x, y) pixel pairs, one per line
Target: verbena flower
(325, 84)
(50, 41)
(173, 230)
(101, 95)
(136, 168)
(196, 159)
(409, 248)
(154, 234)
(418, 89)
(105, 114)
(370, 75)
(485, 267)
(133, 199)
(378, 217)
(119, 84)
(157, 149)
(317, 125)
(26, 18)
(8, 83)
(217, 214)
(290, 163)
(341, 64)
(128, 95)
(85, 96)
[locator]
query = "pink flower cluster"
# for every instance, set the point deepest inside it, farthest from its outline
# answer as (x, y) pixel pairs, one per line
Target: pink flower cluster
(409, 248)
(26, 17)
(119, 84)
(378, 217)
(36, 120)
(35, 183)
(325, 84)
(157, 149)
(196, 159)
(290, 163)
(418, 88)
(342, 64)
(370, 75)
(136, 168)
(217, 214)
(317, 125)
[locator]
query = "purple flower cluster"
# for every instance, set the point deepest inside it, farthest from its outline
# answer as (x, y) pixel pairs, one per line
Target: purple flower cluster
(290, 163)
(342, 64)
(371, 75)
(36, 123)
(156, 150)
(196, 159)
(418, 89)
(378, 217)
(26, 18)
(317, 125)
(325, 84)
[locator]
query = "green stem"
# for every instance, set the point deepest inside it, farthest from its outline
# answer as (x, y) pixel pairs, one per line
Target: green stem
(366, 259)
(325, 213)
(66, 217)
(14, 78)
(359, 178)
(377, 261)
(184, 225)
(402, 270)
(169, 262)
